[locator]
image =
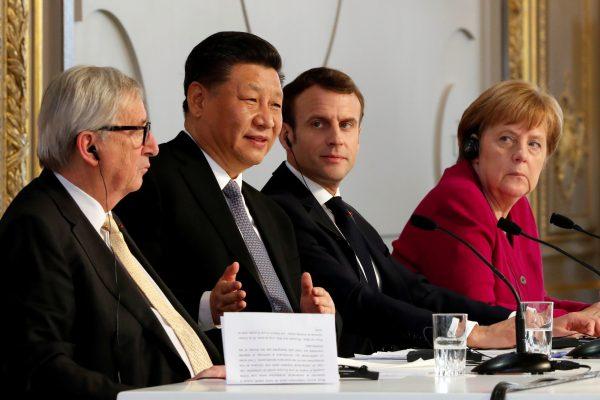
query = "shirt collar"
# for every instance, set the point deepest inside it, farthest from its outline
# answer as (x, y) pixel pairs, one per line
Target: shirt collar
(222, 177)
(90, 207)
(319, 192)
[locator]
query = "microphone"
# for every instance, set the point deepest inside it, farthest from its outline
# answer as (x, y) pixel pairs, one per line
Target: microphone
(521, 361)
(561, 221)
(509, 226)
(567, 223)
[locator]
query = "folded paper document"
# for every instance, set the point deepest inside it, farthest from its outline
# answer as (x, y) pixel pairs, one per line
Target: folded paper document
(273, 348)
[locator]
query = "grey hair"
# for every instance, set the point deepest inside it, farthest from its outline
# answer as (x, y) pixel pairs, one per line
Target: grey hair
(79, 99)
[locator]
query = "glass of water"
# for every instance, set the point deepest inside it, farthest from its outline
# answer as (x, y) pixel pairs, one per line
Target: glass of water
(450, 343)
(538, 326)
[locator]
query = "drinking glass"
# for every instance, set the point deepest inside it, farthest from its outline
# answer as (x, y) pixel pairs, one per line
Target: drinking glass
(538, 326)
(450, 343)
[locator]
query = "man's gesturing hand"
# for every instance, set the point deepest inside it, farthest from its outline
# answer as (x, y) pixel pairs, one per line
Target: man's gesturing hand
(227, 294)
(315, 300)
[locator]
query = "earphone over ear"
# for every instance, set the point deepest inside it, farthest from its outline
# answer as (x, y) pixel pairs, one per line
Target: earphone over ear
(288, 141)
(92, 149)
(471, 147)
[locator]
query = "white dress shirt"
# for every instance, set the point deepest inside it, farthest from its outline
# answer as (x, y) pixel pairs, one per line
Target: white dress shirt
(205, 320)
(322, 196)
(95, 213)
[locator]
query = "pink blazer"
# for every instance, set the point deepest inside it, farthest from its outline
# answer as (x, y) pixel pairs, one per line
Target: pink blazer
(458, 204)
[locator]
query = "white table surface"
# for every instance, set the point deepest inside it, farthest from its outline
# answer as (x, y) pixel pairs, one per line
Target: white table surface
(415, 384)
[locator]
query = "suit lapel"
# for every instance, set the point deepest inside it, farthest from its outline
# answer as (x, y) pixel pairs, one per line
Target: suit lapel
(380, 259)
(113, 276)
(160, 332)
(289, 181)
(321, 218)
(168, 294)
(361, 224)
(204, 186)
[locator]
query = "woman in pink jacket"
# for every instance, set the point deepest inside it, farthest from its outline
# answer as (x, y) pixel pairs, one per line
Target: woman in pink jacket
(505, 138)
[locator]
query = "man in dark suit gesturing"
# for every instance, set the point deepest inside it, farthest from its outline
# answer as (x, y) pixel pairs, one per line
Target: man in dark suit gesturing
(208, 225)
(87, 315)
(382, 303)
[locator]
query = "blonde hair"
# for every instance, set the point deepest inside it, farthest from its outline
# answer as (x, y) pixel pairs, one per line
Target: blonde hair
(512, 102)
(80, 98)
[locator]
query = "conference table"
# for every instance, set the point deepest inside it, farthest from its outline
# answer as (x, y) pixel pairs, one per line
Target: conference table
(418, 383)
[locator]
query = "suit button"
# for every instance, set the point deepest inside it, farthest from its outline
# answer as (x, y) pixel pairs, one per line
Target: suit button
(523, 280)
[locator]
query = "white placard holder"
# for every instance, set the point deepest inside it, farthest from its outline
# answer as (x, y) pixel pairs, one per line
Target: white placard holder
(274, 348)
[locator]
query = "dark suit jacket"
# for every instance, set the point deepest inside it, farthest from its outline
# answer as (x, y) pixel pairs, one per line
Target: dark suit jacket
(193, 237)
(399, 314)
(59, 290)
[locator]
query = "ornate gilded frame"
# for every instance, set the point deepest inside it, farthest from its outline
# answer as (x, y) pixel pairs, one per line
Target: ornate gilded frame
(21, 80)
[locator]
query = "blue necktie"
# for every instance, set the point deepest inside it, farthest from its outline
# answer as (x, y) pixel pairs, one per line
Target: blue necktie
(268, 277)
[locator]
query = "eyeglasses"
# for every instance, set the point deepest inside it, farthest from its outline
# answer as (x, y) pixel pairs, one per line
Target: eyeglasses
(118, 128)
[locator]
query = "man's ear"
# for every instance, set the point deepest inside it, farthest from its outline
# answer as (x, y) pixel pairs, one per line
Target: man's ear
(196, 98)
(85, 142)
(286, 136)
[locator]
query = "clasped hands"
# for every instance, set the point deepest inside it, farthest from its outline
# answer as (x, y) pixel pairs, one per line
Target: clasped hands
(502, 334)
(228, 296)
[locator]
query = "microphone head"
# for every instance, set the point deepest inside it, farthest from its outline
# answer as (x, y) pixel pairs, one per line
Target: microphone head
(561, 221)
(508, 226)
(423, 222)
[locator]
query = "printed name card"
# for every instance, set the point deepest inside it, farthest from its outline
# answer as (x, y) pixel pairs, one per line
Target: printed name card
(269, 348)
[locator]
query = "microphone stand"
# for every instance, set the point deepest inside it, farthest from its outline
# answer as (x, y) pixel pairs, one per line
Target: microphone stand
(520, 361)
(510, 227)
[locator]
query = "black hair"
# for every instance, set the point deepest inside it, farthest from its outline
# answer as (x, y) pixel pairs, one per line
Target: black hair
(210, 62)
(327, 78)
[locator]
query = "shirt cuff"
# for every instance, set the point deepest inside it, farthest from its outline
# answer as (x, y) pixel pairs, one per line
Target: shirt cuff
(512, 314)
(470, 326)
(205, 320)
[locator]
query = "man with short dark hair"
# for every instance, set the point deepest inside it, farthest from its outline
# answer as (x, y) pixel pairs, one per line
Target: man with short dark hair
(85, 314)
(209, 226)
(382, 303)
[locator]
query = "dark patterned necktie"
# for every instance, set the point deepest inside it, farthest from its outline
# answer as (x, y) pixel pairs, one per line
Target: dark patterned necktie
(268, 277)
(345, 222)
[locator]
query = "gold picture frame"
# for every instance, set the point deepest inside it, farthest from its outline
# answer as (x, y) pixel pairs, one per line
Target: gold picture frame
(21, 79)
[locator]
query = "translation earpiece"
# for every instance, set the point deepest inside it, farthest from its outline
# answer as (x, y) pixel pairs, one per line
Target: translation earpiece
(288, 141)
(92, 149)
(471, 147)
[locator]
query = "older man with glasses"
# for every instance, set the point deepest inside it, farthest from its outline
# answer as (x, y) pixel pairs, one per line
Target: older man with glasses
(141, 139)
(87, 315)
